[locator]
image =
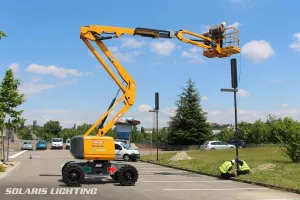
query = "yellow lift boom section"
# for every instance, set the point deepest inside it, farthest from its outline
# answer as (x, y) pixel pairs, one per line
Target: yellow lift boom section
(218, 42)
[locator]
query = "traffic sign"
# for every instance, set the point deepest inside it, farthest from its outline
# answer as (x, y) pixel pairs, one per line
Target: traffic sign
(86, 169)
(112, 169)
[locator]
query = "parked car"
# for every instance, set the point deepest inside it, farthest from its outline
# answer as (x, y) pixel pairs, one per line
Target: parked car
(241, 143)
(124, 152)
(213, 145)
(27, 145)
(57, 143)
(41, 144)
(68, 144)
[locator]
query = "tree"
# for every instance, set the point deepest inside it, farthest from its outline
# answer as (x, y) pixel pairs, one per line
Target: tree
(225, 135)
(10, 100)
(52, 127)
(289, 136)
(189, 125)
(2, 34)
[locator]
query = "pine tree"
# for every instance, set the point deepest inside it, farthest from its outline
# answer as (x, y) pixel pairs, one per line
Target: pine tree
(189, 125)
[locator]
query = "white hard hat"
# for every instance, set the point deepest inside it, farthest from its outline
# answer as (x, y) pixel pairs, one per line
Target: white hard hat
(223, 23)
(233, 161)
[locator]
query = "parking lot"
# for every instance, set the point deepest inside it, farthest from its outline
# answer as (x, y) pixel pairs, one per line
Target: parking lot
(155, 182)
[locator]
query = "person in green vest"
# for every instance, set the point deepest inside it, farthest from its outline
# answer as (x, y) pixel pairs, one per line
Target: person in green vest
(227, 169)
(243, 167)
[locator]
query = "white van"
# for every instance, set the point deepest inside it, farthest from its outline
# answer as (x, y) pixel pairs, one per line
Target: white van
(124, 152)
(57, 143)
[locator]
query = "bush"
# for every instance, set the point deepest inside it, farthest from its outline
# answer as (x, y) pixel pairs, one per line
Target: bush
(2, 169)
(289, 136)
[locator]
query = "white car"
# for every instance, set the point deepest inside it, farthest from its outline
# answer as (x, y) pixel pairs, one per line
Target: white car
(57, 143)
(213, 145)
(124, 152)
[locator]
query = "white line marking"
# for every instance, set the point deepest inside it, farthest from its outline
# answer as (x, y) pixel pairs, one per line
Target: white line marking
(185, 181)
(158, 168)
(217, 189)
(17, 154)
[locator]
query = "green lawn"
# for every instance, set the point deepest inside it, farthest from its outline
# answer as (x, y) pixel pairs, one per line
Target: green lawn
(267, 164)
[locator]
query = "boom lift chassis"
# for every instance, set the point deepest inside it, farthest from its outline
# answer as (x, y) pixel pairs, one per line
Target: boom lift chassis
(219, 42)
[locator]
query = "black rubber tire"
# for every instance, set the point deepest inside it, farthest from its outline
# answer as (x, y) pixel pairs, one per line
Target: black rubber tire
(114, 176)
(128, 175)
(77, 170)
(126, 157)
(64, 167)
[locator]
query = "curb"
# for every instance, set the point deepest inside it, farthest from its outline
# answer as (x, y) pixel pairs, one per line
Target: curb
(294, 190)
(3, 175)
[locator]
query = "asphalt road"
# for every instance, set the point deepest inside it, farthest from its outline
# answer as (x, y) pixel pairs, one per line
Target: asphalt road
(155, 182)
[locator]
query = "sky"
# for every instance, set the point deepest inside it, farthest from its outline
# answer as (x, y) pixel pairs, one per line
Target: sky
(63, 81)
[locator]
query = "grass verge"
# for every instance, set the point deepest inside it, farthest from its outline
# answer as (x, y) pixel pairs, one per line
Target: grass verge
(267, 164)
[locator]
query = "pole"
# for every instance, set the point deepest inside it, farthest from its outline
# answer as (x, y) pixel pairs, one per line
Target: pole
(7, 148)
(156, 135)
(236, 130)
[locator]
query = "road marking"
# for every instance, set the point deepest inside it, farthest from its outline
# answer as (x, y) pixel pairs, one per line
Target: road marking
(17, 154)
(186, 181)
(215, 189)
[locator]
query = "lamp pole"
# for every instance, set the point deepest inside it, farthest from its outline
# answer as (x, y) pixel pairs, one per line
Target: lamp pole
(152, 130)
(234, 89)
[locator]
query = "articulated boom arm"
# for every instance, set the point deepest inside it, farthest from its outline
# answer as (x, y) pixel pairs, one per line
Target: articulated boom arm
(211, 42)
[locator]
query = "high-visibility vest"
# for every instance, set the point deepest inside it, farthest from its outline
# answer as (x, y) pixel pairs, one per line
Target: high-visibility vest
(225, 167)
(244, 166)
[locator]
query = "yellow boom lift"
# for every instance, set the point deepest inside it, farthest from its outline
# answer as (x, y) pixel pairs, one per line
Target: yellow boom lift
(99, 150)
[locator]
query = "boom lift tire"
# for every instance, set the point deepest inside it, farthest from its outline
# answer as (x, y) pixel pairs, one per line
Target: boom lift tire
(114, 176)
(73, 175)
(127, 175)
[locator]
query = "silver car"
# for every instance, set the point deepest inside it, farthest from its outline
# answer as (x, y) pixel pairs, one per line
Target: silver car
(213, 145)
(27, 145)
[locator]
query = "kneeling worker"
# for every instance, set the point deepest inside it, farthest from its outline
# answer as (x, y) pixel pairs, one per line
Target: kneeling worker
(243, 167)
(227, 170)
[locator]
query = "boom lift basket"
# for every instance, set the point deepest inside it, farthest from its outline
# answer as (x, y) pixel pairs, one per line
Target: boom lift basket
(230, 44)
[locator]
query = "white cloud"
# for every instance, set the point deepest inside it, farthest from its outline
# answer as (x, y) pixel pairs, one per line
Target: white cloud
(235, 25)
(243, 93)
(53, 111)
(257, 51)
(285, 105)
(275, 81)
(194, 56)
(52, 70)
(15, 67)
(35, 79)
(215, 112)
(88, 73)
(243, 3)
(144, 108)
(169, 111)
(214, 104)
(124, 57)
(205, 28)
(204, 98)
(162, 48)
(296, 44)
(31, 88)
(70, 82)
(131, 43)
